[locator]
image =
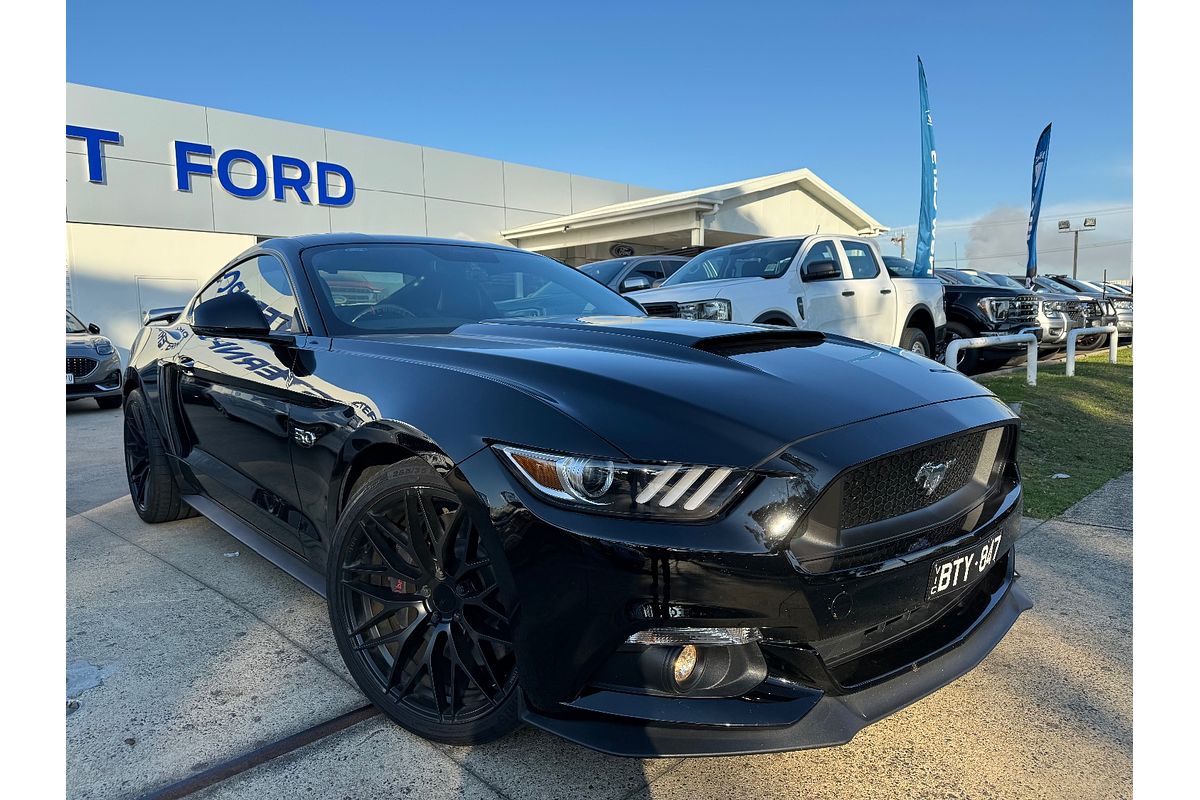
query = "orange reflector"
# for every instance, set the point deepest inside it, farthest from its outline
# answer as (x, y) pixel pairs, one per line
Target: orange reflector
(540, 471)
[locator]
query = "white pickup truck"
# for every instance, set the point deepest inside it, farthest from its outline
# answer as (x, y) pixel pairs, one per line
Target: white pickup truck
(836, 284)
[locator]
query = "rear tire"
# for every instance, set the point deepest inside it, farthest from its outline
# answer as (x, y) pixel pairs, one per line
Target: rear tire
(968, 359)
(419, 610)
(111, 401)
(914, 340)
(151, 483)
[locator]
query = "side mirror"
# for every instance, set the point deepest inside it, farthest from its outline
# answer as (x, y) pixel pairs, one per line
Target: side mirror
(635, 283)
(236, 313)
(93, 328)
(822, 271)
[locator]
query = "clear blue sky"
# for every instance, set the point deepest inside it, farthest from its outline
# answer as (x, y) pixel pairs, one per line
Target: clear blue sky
(669, 94)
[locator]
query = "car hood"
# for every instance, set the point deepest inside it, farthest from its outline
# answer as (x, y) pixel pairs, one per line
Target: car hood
(686, 292)
(80, 342)
(700, 392)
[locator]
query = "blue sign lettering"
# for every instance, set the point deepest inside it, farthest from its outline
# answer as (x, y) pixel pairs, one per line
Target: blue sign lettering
(184, 169)
(95, 154)
(286, 172)
(225, 173)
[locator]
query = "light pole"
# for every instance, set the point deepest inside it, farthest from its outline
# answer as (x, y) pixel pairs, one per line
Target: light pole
(900, 240)
(1064, 226)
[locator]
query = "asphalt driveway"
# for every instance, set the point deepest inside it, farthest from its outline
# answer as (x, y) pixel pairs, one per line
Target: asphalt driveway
(185, 649)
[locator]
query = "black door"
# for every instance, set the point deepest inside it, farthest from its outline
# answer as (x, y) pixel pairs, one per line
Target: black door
(233, 397)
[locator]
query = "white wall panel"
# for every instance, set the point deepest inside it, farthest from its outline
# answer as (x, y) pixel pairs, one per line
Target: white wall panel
(589, 193)
(136, 193)
(263, 137)
(381, 212)
(516, 217)
(453, 220)
(456, 176)
(378, 163)
(535, 189)
(148, 126)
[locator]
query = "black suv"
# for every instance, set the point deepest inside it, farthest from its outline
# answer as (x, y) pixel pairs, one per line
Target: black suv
(631, 274)
(977, 307)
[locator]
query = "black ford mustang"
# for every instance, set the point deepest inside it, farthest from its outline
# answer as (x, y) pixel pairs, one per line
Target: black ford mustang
(650, 536)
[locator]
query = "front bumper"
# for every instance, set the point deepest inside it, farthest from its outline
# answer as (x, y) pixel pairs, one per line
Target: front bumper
(585, 583)
(813, 719)
(92, 375)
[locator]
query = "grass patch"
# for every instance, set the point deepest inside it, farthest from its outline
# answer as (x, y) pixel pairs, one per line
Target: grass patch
(1080, 426)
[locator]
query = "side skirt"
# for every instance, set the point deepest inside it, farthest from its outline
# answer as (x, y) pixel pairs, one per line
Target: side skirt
(241, 530)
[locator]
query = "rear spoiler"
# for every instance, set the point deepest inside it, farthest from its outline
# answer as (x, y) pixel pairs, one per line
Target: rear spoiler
(166, 315)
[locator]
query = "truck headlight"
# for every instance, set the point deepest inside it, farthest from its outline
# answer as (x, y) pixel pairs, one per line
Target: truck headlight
(1054, 305)
(663, 491)
(721, 310)
(996, 308)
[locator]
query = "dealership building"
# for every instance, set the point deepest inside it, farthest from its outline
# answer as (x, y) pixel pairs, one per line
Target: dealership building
(161, 194)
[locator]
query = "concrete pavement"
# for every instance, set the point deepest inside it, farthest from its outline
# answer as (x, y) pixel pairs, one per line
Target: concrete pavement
(185, 648)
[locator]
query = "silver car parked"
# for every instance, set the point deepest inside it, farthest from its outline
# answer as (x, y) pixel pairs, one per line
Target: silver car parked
(93, 365)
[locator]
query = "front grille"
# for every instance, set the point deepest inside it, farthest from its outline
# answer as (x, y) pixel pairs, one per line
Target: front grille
(661, 309)
(1092, 309)
(894, 485)
(1024, 309)
(79, 367)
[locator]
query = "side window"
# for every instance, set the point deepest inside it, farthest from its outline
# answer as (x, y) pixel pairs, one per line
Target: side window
(671, 267)
(265, 279)
(821, 251)
(860, 258)
(651, 269)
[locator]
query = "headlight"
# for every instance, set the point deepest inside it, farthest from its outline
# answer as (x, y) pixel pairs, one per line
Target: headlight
(1054, 305)
(707, 309)
(663, 491)
(104, 348)
(995, 308)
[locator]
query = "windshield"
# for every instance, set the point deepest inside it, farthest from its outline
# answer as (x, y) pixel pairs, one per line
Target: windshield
(899, 267)
(967, 278)
(1053, 285)
(1004, 280)
(74, 325)
(753, 260)
(605, 271)
(434, 288)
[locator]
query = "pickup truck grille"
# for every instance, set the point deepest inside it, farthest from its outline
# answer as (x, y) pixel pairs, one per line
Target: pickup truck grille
(80, 366)
(1024, 309)
(893, 485)
(662, 309)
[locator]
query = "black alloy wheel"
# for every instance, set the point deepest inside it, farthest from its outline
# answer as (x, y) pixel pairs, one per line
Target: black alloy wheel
(152, 486)
(417, 608)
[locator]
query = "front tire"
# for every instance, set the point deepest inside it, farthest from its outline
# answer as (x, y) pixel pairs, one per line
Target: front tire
(968, 359)
(914, 340)
(151, 484)
(417, 608)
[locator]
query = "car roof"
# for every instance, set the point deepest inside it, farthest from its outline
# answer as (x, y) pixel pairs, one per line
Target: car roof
(297, 243)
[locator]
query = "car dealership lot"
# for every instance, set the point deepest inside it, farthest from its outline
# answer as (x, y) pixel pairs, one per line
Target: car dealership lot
(196, 651)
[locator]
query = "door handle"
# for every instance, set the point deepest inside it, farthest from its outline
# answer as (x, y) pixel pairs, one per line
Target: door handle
(885, 291)
(849, 293)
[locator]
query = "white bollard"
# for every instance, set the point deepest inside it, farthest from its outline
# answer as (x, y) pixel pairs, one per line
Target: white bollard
(1028, 339)
(1075, 334)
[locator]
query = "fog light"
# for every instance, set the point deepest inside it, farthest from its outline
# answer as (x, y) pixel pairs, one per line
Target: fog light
(685, 664)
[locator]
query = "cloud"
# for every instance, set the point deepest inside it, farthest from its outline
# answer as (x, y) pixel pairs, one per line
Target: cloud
(995, 241)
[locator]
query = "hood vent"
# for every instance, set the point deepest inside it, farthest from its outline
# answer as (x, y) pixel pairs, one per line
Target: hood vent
(740, 344)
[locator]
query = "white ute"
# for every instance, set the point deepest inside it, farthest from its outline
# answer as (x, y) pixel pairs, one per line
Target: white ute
(834, 284)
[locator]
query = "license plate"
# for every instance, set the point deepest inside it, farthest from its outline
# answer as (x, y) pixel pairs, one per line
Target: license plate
(961, 570)
(70, 378)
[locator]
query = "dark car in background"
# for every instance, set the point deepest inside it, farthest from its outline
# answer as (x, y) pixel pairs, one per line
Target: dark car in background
(633, 274)
(976, 307)
(650, 536)
(1098, 310)
(93, 365)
